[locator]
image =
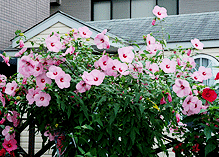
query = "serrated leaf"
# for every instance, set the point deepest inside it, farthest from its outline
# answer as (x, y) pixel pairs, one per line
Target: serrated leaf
(209, 148)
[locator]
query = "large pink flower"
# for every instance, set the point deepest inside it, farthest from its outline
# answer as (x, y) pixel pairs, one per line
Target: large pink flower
(168, 66)
(197, 44)
(160, 12)
(38, 69)
(82, 87)
(30, 95)
(63, 80)
(42, 99)
(26, 66)
(3, 80)
(48, 134)
(53, 72)
(84, 32)
(122, 68)
(10, 145)
(197, 76)
(11, 88)
(95, 77)
(181, 88)
(13, 116)
(103, 61)
(9, 133)
(205, 73)
(53, 43)
(42, 80)
(150, 39)
(126, 54)
(154, 48)
(102, 41)
(111, 68)
(191, 105)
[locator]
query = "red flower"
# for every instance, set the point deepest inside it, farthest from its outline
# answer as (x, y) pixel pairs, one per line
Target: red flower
(195, 147)
(209, 94)
(217, 76)
(2, 152)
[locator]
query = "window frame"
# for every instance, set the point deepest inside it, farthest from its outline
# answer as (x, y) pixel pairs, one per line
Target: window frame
(130, 15)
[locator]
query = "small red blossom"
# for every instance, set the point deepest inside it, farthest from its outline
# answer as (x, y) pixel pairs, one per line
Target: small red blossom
(195, 148)
(209, 94)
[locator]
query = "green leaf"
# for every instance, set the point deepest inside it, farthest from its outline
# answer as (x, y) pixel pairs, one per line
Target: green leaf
(99, 122)
(207, 132)
(209, 148)
(87, 127)
(81, 150)
(89, 154)
(132, 135)
(116, 108)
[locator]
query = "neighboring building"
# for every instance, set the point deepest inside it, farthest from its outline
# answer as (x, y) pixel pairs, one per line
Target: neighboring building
(20, 15)
(94, 10)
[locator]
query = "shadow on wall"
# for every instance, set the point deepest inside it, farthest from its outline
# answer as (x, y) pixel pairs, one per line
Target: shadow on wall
(8, 70)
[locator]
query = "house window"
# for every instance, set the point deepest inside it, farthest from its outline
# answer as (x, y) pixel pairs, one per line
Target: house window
(208, 62)
(121, 9)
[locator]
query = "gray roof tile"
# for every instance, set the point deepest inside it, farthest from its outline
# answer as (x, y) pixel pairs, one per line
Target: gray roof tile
(204, 26)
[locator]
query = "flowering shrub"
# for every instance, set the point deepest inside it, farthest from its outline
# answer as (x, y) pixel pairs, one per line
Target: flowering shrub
(110, 104)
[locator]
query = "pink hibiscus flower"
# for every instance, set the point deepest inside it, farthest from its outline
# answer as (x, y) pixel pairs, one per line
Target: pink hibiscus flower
(9, 133)
(205, 73)
(10, 145)
(63, 80)
(111, 68)
(30, 95)
(197, 76)
(82, 87)
(160, 12)
(150, 40)
(13, 116)
(95, 77)
(102, 62)
(102, 41)
(197, 44)
(42, 99)
(38, 69)
(53, 72)
(53, 43)
(153, 48)
(26, 66)
(11, 88)
(122, 68)
(168, 66)
(126, 54)
(42, 80)
(84, 32)
(181, 88)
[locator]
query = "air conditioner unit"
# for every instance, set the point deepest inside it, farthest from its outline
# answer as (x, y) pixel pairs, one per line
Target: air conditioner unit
(55, 2)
